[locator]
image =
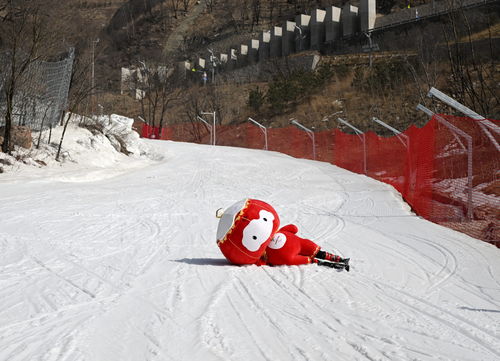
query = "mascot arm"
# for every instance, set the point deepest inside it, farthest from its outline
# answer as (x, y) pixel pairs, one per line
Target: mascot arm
(292, 228)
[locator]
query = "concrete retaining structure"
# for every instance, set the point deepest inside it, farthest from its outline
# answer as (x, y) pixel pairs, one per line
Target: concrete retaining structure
(276, 42)
(253, 51)
(349, 19)
(288, 43)
(333, 31)
(243, 55)
(302, 32)
(331, 28)
(367, 14)
(264, 45)
(317, 29)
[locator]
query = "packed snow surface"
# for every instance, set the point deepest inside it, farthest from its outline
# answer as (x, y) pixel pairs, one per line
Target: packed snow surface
(112, 257)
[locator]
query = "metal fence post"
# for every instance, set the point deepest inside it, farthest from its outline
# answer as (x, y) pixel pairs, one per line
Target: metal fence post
(484, 123)
(213, 126)
(310, 133)
(361, 136)
(457, 131)
(262, 128)
(208, 126)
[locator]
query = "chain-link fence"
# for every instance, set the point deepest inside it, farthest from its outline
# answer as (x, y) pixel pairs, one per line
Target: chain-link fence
(41, 93)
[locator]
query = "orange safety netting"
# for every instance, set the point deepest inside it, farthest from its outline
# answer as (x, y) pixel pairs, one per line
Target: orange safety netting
(444, 178)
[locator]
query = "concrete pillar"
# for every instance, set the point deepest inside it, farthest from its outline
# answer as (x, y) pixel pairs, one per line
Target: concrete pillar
(232, 59)
(253, 51)
(233, 54)
(126, 81)
(200, 65)
(317, 29)
(183, 68)
(288, 38)
(264, 47)
(276, 41)
(302, 33)
(349, 20)
(332, 24)
(243, 55)
(367, 14)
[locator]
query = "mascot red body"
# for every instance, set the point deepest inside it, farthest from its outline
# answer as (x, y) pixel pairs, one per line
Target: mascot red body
(245, 229)
(286, 248)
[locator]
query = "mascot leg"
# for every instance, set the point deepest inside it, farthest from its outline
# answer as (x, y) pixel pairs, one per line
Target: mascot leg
(308, 248)
(298, 260)
(328, 256)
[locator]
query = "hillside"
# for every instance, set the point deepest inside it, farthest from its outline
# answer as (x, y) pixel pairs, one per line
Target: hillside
(435, 52)
(166, 35)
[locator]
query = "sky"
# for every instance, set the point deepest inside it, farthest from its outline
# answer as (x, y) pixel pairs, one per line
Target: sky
(111, 257)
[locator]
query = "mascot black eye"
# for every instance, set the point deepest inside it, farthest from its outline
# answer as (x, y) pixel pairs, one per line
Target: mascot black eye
(254, 237)
(265, 219)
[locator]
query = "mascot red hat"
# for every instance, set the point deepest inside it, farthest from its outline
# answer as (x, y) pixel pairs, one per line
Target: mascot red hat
(245, 230)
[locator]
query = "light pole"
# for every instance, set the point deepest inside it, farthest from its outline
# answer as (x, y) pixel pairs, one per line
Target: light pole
(264, 130)
(310, 134)
(213, 62)
(213, 126)
(94, 43)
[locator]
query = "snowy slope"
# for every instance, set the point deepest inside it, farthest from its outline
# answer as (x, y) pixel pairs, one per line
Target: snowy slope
(120, 263)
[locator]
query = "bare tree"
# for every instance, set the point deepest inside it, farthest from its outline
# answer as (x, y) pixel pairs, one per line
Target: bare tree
(22, 33)
(160, 87)
(256, 7)
(175, 5)
(192, 108)
(210, 5)
(80, 91)
(473, 81)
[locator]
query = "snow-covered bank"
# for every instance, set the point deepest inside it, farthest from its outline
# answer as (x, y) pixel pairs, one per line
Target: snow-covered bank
(102, 148)
(127, 268)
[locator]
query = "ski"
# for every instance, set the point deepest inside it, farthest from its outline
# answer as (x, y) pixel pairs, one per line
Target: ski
(337, 265)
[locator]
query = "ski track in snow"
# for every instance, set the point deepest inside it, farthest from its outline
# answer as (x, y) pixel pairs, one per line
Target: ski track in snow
(127, 268)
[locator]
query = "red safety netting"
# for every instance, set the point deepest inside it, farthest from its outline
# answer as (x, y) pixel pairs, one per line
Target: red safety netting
(349, 151)
(148, 131)
(432, 167)
(466, 186)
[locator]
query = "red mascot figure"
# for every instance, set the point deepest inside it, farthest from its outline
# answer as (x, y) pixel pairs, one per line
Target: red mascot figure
(286, 248)
(245, 229)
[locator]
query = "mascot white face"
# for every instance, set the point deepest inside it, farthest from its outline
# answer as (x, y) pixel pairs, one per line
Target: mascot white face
(258, 231)
(245, 229)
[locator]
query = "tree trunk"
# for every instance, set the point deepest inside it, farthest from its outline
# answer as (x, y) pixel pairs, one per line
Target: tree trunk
(8, 117)
(62, 136)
